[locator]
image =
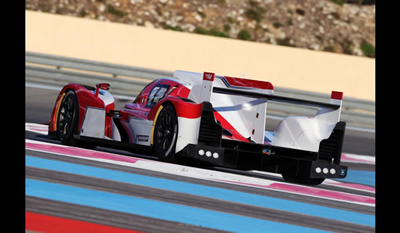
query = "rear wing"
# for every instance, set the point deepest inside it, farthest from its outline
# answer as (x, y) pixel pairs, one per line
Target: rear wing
(241, 104)
(333, 105)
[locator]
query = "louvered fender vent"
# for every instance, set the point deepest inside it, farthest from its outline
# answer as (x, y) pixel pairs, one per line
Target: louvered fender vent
(330, 149)
(210, 133)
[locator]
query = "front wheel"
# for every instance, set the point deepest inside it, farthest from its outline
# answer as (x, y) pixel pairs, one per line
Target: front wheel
(67, 121)
(165, 134)
(68, 118)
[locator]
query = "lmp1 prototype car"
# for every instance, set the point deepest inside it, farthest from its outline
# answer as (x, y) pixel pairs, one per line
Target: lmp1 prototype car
(209, 119)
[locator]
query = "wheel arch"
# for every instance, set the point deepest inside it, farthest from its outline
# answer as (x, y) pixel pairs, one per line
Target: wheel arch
(85, 98)
(54, 115)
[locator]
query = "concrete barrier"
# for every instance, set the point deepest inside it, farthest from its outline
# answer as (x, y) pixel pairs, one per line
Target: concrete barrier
(116, 43)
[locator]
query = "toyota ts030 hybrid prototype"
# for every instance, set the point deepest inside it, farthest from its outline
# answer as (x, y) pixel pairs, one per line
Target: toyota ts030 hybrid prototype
(208, 119)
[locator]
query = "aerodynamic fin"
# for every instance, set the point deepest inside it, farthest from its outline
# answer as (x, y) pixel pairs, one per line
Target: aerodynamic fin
(331, 116)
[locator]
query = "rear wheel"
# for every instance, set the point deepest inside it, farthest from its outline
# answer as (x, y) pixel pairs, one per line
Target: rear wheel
(165, 134)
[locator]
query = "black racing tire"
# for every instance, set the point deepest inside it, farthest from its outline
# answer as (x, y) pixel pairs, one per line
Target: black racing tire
(165, 134)
(68, 120)
(68, 117)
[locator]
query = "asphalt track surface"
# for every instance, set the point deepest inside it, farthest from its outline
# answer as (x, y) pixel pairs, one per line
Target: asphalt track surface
(114, 188)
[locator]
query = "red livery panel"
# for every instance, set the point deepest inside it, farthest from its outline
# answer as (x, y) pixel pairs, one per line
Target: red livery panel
(241, 82)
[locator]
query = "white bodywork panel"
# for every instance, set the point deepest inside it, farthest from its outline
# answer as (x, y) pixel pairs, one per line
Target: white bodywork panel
(141, 130)
(94, 120)
(305, 133)
(300, 132)
(93, 123)
(188, 132)
(245, 114)
(116, 136)
(194, 82)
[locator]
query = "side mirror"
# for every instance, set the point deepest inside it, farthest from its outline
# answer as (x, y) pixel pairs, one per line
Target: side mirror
(102, 86)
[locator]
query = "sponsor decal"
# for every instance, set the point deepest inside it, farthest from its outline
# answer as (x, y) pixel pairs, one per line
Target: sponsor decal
(208, 76)
(142, 138)
(266, 151)
(343, 172)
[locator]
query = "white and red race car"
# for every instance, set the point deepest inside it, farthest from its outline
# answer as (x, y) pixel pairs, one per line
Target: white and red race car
(214, 120)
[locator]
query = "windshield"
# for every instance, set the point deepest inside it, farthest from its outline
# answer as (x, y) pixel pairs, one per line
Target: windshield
(156, 94)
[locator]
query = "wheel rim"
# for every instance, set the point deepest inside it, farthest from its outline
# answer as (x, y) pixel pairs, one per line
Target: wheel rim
(66, 116)
(166, 132)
